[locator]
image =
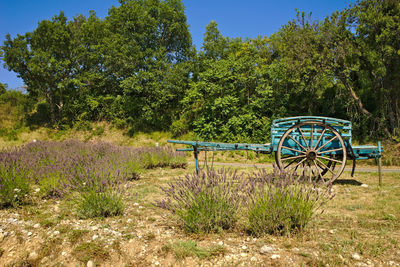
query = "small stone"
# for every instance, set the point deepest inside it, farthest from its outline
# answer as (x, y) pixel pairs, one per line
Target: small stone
(253, 258)
(220, 243)
(243, 255)
(90, 264)
(63, 253)
(36, 225)
(275, 256)
(244, 247)
(29, 233)
(135, 204)
(94, 237)
(37, 190)
(296, 249)
(156, 263)
(364, 185)
(33, 256)
(94, 228)
(356, 256)
(129, 220)
(56, 232)
(266, 249)
(248, 239)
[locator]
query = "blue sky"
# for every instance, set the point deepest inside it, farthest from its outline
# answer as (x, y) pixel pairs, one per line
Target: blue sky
(235, 18)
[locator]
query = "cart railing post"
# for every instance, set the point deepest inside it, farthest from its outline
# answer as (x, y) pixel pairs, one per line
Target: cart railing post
(196, 160)
(380, 164)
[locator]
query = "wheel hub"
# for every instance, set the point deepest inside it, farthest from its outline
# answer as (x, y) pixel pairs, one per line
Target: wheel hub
(311, 154)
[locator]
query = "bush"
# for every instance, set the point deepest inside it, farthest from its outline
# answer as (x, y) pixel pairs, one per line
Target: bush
(14, 182)
(280, 203)
(205, 202)
(99, 204)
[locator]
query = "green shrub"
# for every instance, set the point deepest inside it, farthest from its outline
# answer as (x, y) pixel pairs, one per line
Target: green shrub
(99, 204)
(179, 127)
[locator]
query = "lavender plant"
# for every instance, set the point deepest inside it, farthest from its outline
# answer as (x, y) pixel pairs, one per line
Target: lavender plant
(205, 202)
(281, 203)
(14, 181)
(60, 168)
(99, 204)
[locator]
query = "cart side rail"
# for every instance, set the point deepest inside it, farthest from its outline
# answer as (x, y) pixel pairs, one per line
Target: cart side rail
(280, 126)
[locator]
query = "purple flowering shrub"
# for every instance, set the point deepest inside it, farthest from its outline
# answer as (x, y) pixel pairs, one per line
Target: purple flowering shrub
(59, 168)
(14, 181)
(205, 202)
(281, 203)
(99, 204)
(269, 203)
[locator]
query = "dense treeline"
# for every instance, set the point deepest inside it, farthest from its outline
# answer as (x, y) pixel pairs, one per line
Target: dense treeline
(138, 68)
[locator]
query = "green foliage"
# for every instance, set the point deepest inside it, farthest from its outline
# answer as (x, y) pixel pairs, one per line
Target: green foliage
(138, 69)
(99, 204)
(3, 88)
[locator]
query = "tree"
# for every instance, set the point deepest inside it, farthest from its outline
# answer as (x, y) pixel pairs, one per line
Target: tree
(42, 59)
(148, 49)
(3, 88)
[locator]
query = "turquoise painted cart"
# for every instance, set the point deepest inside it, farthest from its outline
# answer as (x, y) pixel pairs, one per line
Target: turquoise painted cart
(306, 145)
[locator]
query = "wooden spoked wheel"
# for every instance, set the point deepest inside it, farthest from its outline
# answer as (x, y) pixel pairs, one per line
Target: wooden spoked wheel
(312, 149)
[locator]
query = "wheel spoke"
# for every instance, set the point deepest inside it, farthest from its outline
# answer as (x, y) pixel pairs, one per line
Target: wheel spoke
(305, 149)
(323, 164)
(316, 167)
(330, 140)
(298, 164)
(328, 151)
(312, 131)
(290, 163)
(294, 157)
(319, 139)
(289, 148)
(302, 135)
(334, 160)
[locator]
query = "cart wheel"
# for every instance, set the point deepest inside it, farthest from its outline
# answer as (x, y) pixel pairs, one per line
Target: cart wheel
(312, 149)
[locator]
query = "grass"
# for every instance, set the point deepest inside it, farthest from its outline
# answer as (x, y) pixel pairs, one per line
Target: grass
(76, 234)
(358, 220)
(90, 251)
(183, 249)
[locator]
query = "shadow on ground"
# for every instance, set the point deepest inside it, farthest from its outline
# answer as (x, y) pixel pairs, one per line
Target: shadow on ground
(347, 182)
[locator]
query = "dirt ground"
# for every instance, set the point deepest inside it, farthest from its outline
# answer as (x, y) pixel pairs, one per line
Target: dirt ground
(359, 227)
